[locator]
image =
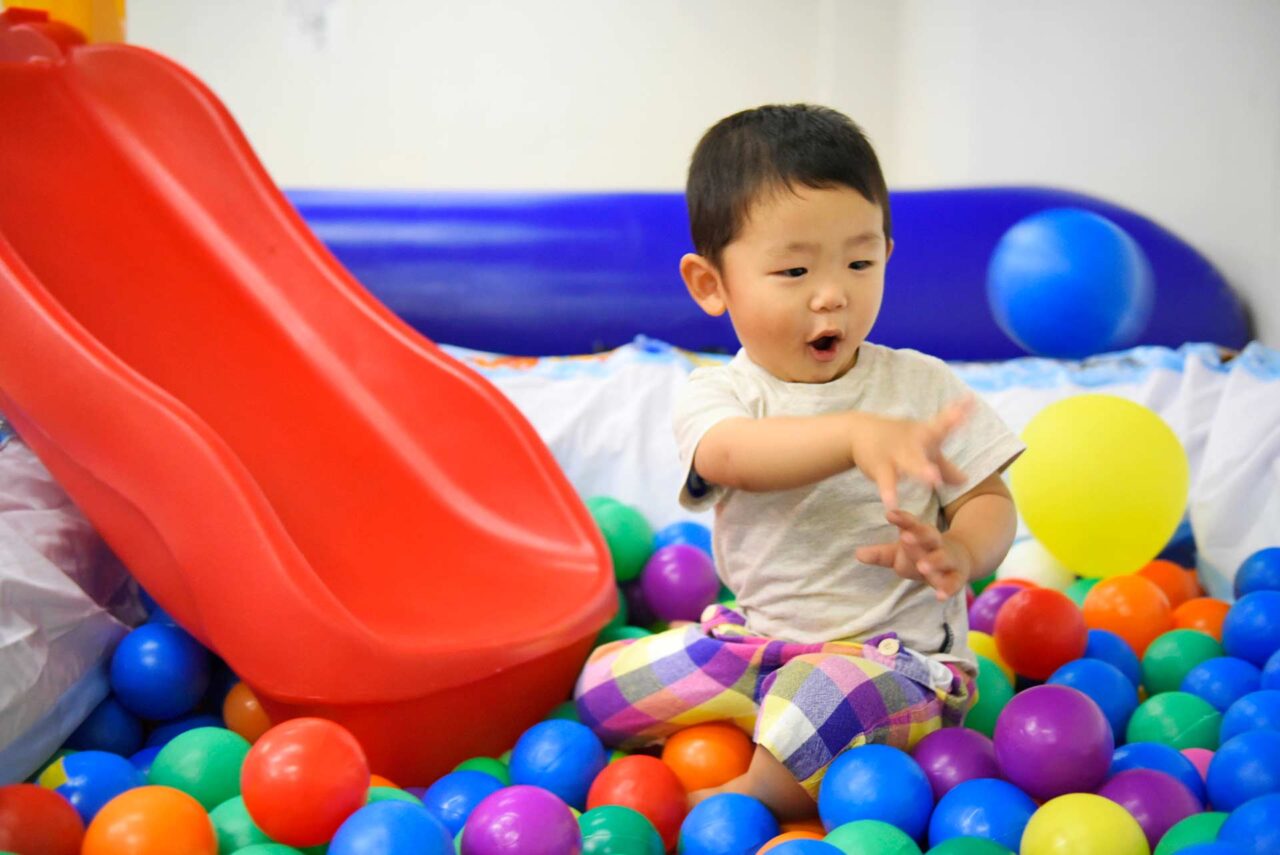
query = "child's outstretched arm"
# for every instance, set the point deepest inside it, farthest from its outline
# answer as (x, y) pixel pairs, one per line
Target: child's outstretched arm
(783, 452)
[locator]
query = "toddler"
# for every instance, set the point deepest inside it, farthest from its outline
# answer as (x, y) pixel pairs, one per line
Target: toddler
(856, 487)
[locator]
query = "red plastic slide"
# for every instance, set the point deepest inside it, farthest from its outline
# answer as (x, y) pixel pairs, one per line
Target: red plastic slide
(364, 529)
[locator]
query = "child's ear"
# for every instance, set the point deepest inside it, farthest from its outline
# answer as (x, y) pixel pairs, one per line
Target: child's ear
(888, 250)
(704, 283)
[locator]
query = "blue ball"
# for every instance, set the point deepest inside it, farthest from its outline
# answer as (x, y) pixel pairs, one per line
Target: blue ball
(1259, 572)
(687, 532)
(1251, 629)
(1243, 768)
(90, 779)
(1255, 711)
(1067, 283)
(727, 823)
(561, 756)
(1271, 673)
(159, 672)
(1106, 645)
(876, 782)
(982, 807)
(168, 730)
(391, 827)
(143, 759)
(110, 727)
(1253, 827)
(1111, 690)
(452, 798)
(805, 847)
(1222, 681)
(1215, 848)
(1160, 758)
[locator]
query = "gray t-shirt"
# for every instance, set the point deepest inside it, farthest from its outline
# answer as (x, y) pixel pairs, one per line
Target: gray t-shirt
(788, 555)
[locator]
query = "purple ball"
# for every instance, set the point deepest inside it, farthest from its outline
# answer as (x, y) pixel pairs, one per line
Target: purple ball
(1156, 800)
(953, 755)
(982, 614)
(523, 819)
(1053, 740)
(679, 581)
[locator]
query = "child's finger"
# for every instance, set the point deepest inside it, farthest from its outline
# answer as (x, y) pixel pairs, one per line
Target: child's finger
(880, 554)
(936, 568)
(886, 480)
(951, 417)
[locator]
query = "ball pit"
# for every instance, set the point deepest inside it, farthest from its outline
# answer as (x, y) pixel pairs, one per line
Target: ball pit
(1114, 650)
(678, 582)
(1160, 758)
(1103, 683)
(1172, 655)
(1252, 827)
(1245, 767)
(1083, 822)
(1178, 583)
(452, 798)
(647, 785)
(204, 763)
(1203, 613)
(90, 779)
(159, 672)
(1259, 572)
(1251, 629)
(1178, 719)
(1200, 828)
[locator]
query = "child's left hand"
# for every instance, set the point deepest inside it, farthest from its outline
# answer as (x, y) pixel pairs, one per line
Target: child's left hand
(922, 553)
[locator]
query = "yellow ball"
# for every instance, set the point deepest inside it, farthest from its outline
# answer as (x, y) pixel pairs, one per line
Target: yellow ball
(984, 645)
(1102, 485)
(1082, 822)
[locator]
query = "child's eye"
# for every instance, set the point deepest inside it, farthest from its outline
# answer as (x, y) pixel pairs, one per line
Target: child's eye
(793, 272)
(859, 265)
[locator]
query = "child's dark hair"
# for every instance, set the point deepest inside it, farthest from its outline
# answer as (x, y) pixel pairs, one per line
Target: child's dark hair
(772, 148)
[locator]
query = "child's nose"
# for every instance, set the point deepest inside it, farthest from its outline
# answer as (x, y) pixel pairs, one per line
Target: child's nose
(828, 298)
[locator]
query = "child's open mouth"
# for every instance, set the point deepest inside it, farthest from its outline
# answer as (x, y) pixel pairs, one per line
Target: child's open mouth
(825, 347)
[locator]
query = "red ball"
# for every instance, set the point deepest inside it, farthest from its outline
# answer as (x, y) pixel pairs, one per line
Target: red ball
(302, 779)
(38, 820)
(1038, 631)
(647, 785)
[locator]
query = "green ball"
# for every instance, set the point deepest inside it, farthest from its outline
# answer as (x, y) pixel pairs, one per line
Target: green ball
(619, 618)
(872, 837)
(234, 827)
(626, 532)
(1172, 655)
(616, 755)
(994, 691)
(267, 849)
(610, 635)
(725, 596)
(489, 766)
(1197, 828)
(564, 710)
(391, 794)
(969, 846)
(980, 585)
(617, 830)
(204, 763)
(1177, 719)
(1079, 589)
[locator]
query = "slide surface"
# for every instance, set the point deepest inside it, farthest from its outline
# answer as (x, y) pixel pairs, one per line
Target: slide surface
(363, 528)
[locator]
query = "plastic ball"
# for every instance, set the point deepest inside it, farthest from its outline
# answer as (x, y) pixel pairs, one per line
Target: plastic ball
(1030, 561)
(90, 779)
(302, 778)
(204, 763)
(1271, 672)
(801, 846)
(1067, 283)
(391, 794)
(1131, 607)
(1254, 711)
(617, 830)
(626, 533)
(35, 819)
(952, 755)
(110, 727)
(1171, 656)
(1200, 828)
(523, 819)
(647, 785)
(151, 821)
(1252, 827)
(876, 782)
(1105, 686)
(234, 827)
(994, 694)
(708, 755)
(1177, 719)
(984, 645)
(1156, 800)
(391, 828)
(679, 581)
(872, 837)
(1251, 630)
(1259, 572)
(143, 759)
(985, 807)
(1083, 822)
(1130, 498)
(1200, 758)
(687, 532)
(165, 732)
(1245, 767)
(1222, 681)
(159, 672)
(807, 837)
(1160, 758)
(970, 846)
(560, 756)
(1203, 613)
(1052, 740)
(1114, 650)
(986, 607)
(1079, 589)
(244, 714)
(1178, 583)
(727, 823)
(488, 765)
(1038, 631)
(452, 797)
(268, 849)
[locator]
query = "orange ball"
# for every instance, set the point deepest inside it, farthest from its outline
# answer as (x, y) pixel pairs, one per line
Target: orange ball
(1133, 607)
(151, 821)
(243, 714)
(788, 835)
(1178, 583)
(813, 825)
(708, 755)
(1203, 613)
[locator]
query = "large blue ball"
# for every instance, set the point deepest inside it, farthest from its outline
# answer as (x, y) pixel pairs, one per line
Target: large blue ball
(876, 782)
(159, 672)
(983, 807)
(1259, 572)
(685, 532)
(110, 727)
(90, 779)
(1222, 680)
(1106, 645)
(1110, 689)
(561, 756)
(1160, 758)
(1253, 827)
(1255, 711)
(452, 797)
(1251, 629)
(1067, 283)
(727, 823)
(391, 827)
(1271, 672)
(1243, 768)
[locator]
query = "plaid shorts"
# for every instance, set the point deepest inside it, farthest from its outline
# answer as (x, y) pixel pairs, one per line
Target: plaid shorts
(804, 703)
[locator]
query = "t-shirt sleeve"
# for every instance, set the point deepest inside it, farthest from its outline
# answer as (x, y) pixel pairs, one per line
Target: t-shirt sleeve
(982, 446)
(707, 398)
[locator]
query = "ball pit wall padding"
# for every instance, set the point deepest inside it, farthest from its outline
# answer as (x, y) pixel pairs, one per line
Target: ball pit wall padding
(349, 517)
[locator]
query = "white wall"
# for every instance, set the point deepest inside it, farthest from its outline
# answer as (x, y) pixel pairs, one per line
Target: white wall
(1171, 107)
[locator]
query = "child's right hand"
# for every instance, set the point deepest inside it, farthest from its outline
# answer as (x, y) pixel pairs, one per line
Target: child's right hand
(889, 449)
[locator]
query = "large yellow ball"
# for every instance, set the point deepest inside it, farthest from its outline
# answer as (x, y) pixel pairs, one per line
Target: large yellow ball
(1102, 484)
(1083, 823)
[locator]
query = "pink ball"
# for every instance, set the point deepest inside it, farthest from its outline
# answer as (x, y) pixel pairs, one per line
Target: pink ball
(1199, 758)
(678, 582)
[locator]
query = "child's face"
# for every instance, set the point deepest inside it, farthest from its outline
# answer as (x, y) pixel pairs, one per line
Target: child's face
(804, 280)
